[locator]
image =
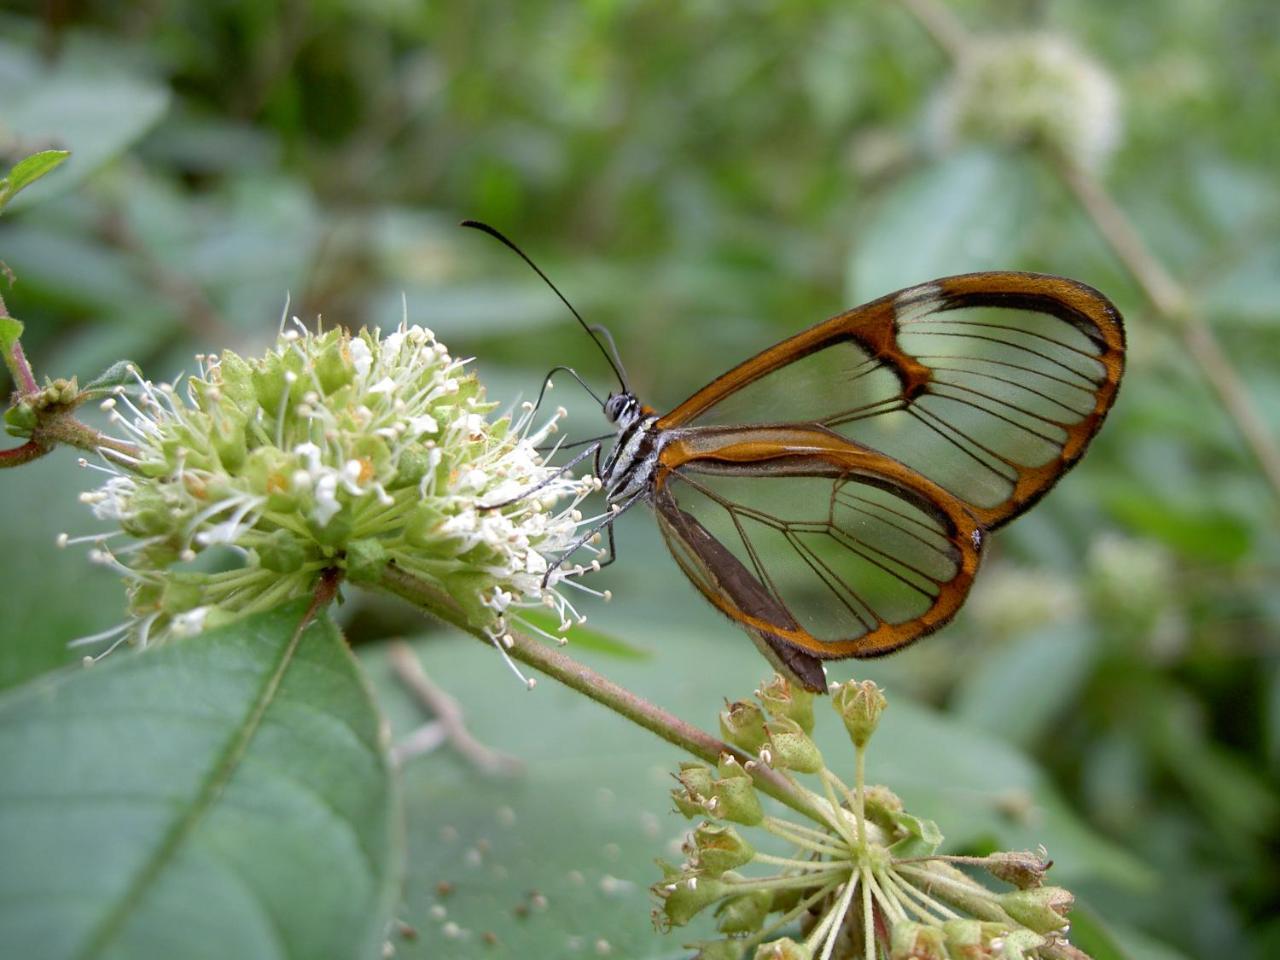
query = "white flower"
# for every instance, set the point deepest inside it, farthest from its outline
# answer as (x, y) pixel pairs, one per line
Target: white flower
(1027, 87)
(330, 443)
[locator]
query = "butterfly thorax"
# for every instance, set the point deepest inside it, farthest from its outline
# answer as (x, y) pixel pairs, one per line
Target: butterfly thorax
(630, 466)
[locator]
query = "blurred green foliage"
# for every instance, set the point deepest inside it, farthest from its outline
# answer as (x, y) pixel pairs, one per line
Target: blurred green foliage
(704, 178)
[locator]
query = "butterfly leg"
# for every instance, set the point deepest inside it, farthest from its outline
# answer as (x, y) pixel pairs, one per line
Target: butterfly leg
(615, 511)
(546, 385)
(593, 450)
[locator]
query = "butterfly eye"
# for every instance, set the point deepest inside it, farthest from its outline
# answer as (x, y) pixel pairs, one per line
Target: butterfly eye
(616, 406)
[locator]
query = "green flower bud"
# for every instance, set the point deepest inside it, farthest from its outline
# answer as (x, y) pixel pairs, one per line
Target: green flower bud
(1042, 909)
(1022, 868)
(269, 473)
(730, 949)
(733, 796)
(782, 698)
(744, 913)
(333, 533)
(20, 419)
(742, 724)
(468, 589)
(790, 748)
(860, 706)
(785, 898)
(228, 437)
(1016, 943)
(366, 559)
(719, 848)
(412, 467)
(59, 393)
(219, 616)
(917, 941)
(282, 552)
(151, 514)
(181, 593)
(269, 383)
(422, 528)
(784, 949)
(685, 897)
(882, 806)
(696, 779)
(235, 380)
(333, 366)
(965, 936)
(145, 598)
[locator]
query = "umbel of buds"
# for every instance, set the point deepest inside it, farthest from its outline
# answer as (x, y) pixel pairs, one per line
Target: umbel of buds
(331, 451)
(861, 879)
(1032, 88)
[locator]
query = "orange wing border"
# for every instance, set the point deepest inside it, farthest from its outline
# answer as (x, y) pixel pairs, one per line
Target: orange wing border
(746, 447)
(874, 328)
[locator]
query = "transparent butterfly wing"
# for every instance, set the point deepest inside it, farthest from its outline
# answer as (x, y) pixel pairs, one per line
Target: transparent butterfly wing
(990, 385)
(813, 544)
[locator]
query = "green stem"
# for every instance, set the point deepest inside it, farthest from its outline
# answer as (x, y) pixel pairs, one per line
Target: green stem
(810, 866)
(31, 450)
(908, 892)
(588, 682)
(957, 890)
(859, 786)
(797, 911)
(868, 918)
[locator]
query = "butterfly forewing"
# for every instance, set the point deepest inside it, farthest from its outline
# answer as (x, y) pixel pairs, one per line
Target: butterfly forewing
(989, 385)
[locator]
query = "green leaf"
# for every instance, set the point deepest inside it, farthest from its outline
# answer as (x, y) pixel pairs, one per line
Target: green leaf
(93, 112)
(1200, 531)
(592, 810)
(119, 374)
(969, 211)
(28, 170)
(226, 796)
(39, 500)
(1005, 693)
(584, 638)
(1104, 941)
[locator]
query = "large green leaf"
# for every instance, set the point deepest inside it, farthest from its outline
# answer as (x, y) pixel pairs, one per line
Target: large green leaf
(969, 211)
(1005, 692)
(94, 110)
(226, 796)
(39, 501)
(584, 822)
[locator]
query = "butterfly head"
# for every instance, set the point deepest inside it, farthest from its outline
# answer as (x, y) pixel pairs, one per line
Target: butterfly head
(623, 409)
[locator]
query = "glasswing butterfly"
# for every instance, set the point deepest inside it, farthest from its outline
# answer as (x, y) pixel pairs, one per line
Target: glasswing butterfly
(832, 495)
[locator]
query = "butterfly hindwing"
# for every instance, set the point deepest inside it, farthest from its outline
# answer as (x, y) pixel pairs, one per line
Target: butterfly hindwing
(820, 549)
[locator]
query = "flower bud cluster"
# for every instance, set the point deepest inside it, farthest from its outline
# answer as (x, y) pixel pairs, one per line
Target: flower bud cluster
(862, 878)
(1033, 88)
(332, 451)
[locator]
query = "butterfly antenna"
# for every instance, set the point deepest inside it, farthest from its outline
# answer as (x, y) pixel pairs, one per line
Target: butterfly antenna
(616, 363)
(611, 356)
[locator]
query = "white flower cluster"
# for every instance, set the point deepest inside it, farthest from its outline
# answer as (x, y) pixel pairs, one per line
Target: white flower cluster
(1029, 87)
(332, 451)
